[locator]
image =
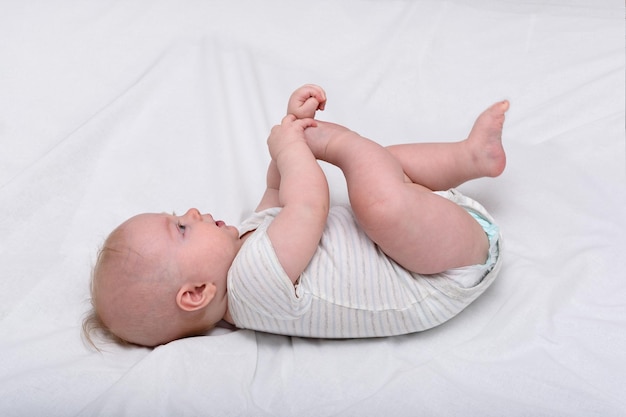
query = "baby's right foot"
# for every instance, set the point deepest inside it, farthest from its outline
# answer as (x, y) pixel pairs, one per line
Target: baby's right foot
(319, 137)
(485, 140)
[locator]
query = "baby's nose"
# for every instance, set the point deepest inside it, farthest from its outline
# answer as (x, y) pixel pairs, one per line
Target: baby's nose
(193, 213)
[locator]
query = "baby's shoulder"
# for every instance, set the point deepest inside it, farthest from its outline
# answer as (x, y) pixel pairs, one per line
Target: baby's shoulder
(255, 220)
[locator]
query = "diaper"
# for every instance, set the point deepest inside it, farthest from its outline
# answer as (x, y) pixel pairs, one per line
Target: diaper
(473, 275)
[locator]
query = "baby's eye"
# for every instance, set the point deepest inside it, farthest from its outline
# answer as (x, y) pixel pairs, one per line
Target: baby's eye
(180, 226)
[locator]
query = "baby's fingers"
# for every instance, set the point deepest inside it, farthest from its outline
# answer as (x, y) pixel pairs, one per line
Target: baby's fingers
(306, 100)
(315, 91)
(307, 122)
(309, 90)
(308, 108)
(291, 120)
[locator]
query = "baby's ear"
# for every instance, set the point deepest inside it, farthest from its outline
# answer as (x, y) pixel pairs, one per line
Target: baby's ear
(192, 297)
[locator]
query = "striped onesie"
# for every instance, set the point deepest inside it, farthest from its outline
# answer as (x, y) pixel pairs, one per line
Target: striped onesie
(350, 289)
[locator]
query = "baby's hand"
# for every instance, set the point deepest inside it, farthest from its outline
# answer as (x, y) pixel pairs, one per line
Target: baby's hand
(306, 100)
(289, 131)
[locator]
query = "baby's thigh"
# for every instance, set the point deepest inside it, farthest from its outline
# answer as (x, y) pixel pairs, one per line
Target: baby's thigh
(426, 233)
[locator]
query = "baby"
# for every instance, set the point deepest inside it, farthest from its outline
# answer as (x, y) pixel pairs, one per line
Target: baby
(409, 253)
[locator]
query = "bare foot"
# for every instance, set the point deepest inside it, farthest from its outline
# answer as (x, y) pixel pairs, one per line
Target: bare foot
(485, 140)
(319, 137)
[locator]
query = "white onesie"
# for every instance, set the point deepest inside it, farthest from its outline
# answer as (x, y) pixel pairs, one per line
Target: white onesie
(350, 288)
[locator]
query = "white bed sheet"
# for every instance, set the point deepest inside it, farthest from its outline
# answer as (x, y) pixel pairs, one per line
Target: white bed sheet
(111, 108)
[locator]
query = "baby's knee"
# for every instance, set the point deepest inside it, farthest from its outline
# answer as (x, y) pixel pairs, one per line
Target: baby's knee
(378, 210)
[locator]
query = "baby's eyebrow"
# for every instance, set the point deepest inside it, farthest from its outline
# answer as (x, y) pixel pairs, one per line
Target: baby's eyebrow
(168, 224)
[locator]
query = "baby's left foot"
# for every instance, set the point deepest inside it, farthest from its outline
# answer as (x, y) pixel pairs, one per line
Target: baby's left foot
(485, 140)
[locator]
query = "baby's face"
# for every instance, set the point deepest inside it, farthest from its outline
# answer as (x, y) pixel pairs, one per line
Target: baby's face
(195, 243)
(151, 259)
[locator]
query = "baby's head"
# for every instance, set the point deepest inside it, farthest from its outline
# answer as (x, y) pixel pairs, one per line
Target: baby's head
(161, 277)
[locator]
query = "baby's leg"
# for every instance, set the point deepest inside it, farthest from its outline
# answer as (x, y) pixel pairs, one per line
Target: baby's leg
(440, 166)
(422, 231)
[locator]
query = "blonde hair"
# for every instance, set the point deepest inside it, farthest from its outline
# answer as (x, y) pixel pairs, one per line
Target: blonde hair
(133, 294)
(92, 323)
(145, 287)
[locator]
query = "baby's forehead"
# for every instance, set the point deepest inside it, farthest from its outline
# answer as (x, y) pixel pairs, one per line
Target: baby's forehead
(144, 220)
(142, 237)
(146, 231)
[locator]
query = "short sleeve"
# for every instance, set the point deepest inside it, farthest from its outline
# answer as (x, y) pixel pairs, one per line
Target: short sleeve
(257, 283)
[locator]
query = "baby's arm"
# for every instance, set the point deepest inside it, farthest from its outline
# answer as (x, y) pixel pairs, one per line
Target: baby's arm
(303, 103)
(306, 100)
(302, 194)
(270, 197)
